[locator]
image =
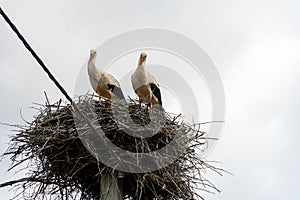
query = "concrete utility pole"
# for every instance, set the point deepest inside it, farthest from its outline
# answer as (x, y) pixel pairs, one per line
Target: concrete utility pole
(111, 187)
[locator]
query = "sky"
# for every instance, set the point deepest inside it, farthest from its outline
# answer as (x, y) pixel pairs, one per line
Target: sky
(253, 44)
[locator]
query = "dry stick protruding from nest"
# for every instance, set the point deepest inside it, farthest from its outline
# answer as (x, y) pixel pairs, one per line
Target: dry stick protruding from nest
(59, 164)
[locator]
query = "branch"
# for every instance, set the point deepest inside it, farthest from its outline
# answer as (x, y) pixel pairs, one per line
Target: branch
(27, 179)
(14, 182)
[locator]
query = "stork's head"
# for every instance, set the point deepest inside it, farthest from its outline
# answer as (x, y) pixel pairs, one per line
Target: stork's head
(93, 53)
(143, 58)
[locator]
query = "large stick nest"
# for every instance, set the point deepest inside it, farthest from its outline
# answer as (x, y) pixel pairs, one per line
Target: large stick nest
(60, 167)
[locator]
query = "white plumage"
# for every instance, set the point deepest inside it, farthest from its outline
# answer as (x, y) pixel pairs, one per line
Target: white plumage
(144, 84)
(102, 82)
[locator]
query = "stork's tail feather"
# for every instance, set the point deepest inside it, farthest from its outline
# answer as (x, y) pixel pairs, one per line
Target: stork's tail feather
(116, 90)
(156, 92)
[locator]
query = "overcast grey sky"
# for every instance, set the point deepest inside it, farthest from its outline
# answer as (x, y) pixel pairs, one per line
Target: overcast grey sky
(254, 45)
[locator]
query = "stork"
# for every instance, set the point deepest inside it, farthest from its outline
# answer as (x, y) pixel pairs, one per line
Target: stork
(144, 84)
(104, 84)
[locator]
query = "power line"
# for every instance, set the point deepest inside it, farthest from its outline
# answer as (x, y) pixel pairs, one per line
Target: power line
(37, 58)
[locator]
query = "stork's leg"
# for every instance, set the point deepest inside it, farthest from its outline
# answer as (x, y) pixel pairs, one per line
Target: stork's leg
(101, 98)
(150, 103)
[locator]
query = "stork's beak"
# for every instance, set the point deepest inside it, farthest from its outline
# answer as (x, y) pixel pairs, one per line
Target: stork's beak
(92, 53)
(143, 57)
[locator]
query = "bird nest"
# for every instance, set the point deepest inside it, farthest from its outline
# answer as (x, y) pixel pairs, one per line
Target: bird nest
(60, 166)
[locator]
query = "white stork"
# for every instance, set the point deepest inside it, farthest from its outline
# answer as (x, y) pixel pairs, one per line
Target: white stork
(102, 82)
(144, 84)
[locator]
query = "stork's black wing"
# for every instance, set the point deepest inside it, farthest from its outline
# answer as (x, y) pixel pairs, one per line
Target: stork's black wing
(156, 92)
(116, 90)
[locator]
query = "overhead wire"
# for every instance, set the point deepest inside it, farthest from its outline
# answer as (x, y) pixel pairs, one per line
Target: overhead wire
(37, 58)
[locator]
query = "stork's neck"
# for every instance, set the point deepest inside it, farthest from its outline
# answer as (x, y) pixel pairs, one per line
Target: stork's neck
(142, 65)
(92, 65)
(141, 70)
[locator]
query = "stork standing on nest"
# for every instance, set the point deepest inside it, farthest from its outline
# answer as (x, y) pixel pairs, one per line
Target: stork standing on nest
(102, 82)
(144, 84)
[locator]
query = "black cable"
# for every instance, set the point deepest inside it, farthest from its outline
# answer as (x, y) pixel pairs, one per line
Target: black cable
(37, 58)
